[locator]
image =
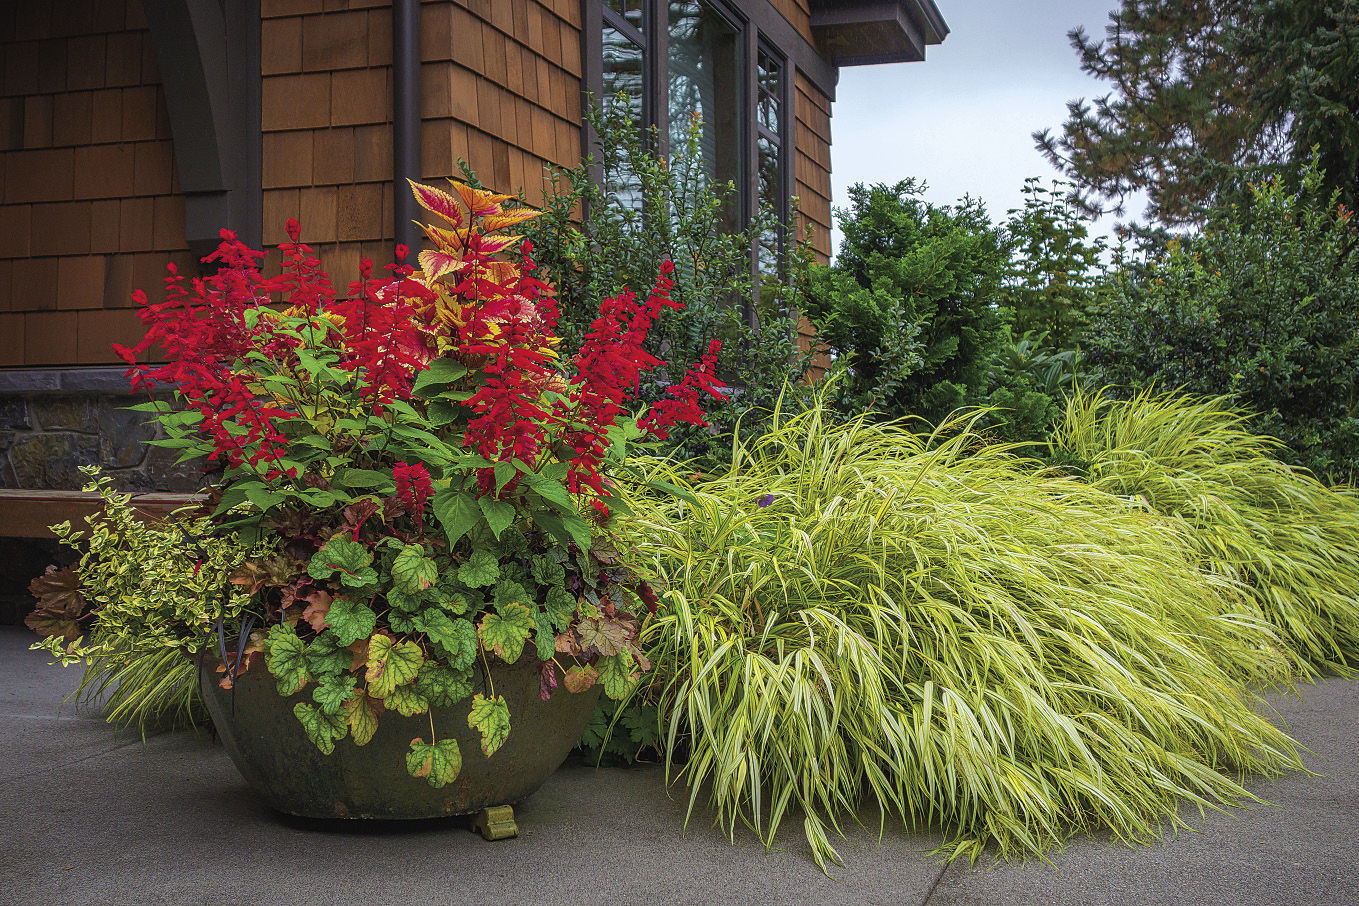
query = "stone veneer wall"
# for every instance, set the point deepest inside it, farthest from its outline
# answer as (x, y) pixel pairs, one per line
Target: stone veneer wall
(52, 422)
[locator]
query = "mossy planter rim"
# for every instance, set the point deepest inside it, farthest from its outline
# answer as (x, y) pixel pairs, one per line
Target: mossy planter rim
(266, 742)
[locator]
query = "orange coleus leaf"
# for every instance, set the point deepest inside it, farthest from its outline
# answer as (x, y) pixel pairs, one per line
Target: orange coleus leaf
(479, 201)
(492, 222)
(436, 201)
(436, 264)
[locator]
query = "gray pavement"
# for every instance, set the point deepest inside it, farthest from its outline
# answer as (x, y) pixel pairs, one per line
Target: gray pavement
(94, 816)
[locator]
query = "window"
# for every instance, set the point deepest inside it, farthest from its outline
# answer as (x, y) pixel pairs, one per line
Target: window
(677, 60)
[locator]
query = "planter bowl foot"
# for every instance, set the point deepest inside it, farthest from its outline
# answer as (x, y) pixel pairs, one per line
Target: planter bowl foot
(496, 823)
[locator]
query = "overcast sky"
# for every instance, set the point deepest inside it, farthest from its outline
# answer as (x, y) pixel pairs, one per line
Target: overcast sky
(961, 119)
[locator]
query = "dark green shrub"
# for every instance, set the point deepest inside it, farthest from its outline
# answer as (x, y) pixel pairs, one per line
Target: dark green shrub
(909, 308)
(1262, 306)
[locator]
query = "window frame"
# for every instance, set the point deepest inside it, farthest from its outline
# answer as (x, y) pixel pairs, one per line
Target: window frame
(753, 39)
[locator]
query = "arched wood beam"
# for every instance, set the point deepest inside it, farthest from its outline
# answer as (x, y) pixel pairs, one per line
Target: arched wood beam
(208, 52)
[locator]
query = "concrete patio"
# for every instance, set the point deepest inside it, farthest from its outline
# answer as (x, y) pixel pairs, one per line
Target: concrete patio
(94, 816)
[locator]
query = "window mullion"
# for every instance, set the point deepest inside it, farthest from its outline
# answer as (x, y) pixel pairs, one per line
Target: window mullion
(658, 92)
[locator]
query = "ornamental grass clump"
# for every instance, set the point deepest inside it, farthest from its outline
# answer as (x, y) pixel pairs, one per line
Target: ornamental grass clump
(861, 615)
(1291, 540)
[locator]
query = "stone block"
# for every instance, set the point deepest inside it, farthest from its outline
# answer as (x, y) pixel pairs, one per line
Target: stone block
(122, 434)
(69, 413)
(53, 461)
(14, 415)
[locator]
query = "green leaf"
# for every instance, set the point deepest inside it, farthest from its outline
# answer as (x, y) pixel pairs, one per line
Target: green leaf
(322, 729)
(405, 700)
(365, 478)
(326, 657)
(443, 687)
(438, 763)
(617, 676)
(391, 664)
(340, 555)
(440, 372)
(481, 569)
(286, 659)
(263, 497)
(457, 512)
(506, 632)
(490, 717)
(507, 591)
(499, 514)
(360, 716)
(453, 602)
(547, 571)
(332, 692)
(543, 634)
(412, 571)
(455, 637)
(561, 605)
(399, 600)
(350, 620)
(551, 490)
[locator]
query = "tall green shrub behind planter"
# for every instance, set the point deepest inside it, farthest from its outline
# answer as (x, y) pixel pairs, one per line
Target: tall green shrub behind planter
(1292, 540)
(1011, 655)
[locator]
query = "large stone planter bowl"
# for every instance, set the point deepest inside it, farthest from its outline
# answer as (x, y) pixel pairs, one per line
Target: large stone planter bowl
(272, 751)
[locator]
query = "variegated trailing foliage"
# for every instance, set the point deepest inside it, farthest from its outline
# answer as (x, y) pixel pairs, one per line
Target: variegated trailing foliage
(137, 608)
(1293, 541)
(861, 614)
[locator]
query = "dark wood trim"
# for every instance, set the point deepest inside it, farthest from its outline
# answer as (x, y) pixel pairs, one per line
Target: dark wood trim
(800, 52)
(406, 121)
(28, 514)
(208, 52)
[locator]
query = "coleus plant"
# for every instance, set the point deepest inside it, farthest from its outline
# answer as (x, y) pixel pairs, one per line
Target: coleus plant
(431, 477)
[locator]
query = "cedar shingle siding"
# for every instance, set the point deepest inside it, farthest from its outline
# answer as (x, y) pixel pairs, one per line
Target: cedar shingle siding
(90, 205)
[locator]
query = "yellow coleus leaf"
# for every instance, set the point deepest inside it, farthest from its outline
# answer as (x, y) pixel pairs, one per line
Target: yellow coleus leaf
(490, 245)
(447, 240)
(504, 219)
(479, 201)
(435, 264)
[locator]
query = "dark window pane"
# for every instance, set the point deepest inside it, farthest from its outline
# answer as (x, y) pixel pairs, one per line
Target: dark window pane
(770, 172)
(767, 103)
(631, 10)
(705, 89)
(625, 84)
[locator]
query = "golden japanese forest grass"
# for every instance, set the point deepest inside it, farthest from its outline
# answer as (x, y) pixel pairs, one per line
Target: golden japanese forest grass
(944, 630)
(1293, 541)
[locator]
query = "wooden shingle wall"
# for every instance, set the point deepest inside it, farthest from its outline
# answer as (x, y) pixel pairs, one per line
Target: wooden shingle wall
(811, 151)
(90, 205)
(500, 89)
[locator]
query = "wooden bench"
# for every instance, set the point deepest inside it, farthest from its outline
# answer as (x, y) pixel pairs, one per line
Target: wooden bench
(27, 514)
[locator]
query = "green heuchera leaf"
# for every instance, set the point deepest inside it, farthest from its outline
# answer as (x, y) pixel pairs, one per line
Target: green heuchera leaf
(360, 716)
(412, 571)
(543, 634)
(443, 687)
(453, 602)
(616, 675)
(326, 658)
(438, 763)
(499, 514)
(391, 665)
(560, 605)
(406, 701)
(406, 603)
(507, 591)
(322, 729)
(490, 717)
(333, 691)
(286, 659)
(350, 620)
(547, 571)
(349, 558)
(481, 569)
(506, 632)
(457, 638)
